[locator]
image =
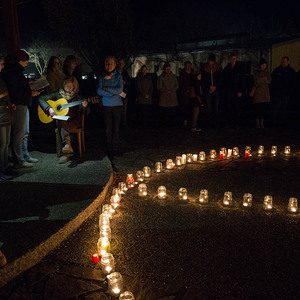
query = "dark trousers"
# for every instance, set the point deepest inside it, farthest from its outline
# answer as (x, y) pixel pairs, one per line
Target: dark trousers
(212, 102)
(280, 105)
(168, 118)
(112, 116)
(233, 109)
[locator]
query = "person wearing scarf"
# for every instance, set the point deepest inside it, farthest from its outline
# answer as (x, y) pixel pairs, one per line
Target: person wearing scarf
(70, 92)
(110, 87)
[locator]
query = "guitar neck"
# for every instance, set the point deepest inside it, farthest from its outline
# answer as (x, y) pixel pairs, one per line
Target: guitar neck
(75, 103)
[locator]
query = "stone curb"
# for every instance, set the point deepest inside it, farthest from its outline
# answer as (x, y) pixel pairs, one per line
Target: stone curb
(34, 256)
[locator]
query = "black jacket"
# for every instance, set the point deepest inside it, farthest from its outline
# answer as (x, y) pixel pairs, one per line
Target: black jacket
(232, 80)
(283, 81)
(17, 84)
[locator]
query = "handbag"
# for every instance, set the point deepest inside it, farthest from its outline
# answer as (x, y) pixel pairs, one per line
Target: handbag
(252, 92)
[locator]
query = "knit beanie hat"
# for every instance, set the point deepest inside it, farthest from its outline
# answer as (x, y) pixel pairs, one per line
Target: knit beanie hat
(20, 55)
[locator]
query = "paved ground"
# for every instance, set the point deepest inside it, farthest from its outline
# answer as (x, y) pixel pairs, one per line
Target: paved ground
(179, 250)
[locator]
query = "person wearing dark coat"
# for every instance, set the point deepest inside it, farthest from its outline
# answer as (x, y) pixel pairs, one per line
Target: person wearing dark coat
(283, 86)
(21, 98)
(232, 87)
(212, 80)
(5, 126)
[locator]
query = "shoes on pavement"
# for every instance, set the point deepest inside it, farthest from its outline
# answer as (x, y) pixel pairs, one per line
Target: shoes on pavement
(63, 159)
(67, 148)
(31, 159)
(196, 129)
(24, 164)
(4, 177)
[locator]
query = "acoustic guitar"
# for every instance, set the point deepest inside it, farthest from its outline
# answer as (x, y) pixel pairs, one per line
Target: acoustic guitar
(61, 107)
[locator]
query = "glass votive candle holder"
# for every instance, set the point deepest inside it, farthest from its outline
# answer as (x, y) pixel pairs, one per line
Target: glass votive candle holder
(115, 283)
(126, 296)
(213, 154)
(139, 176)
(287, 150)
(247, 200)
(183, 159)
(224, 151)
(169, 164)
(235, 152)
(107, 263)
(189, 158)
(142, 188)
(147, 172)
(178, 161)
(229, 153)
(108, 209)
(114, 201)
(104, 220)
(268, 203)
(274, 150)
(116, 194)
(122, 187)
(195, 157)
(162, 192)
(221, 155)
(203, 197)
(202, 156)
(130, 181)
(227, 200)
(105, 231)
(182, 194)
(293, 205)
(103, 245)
(247, 151)
(260, 150)
(158, 167)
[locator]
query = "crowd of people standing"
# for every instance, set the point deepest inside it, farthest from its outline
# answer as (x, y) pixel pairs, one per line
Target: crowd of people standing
(214, 93)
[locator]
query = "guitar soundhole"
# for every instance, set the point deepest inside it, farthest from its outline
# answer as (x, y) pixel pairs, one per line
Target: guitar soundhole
(58, 107)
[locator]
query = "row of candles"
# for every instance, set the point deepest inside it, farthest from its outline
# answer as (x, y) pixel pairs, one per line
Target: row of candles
(107, 261)
(203, 196)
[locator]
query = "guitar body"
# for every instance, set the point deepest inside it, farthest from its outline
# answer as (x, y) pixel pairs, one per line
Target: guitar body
(56, 105)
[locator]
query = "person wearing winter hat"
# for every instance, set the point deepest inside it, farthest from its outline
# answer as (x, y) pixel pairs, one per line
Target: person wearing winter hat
(21, 98)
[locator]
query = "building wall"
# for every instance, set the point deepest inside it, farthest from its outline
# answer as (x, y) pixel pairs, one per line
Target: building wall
(290, 49)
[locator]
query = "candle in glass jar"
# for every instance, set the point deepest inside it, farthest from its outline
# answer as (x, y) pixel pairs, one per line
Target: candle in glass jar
(229, 153)
(114, 202)
(183, 159)
(247, 200)
(178, 161)
(162, 192)
(122, 187)
(287, 150)
(182, 194)
(147, 172)
(142, 190)
(126, 296)
(115, 283)
(139, 176)
(203, 197)
(95, 257)
(268, 203)
(189, 157)
(247, 151)
(169, 164)
(227, 200)
(104, 220)
(293, 205)
(103, 245)
(130, 181)
(107, 263)
(261, 150)
(212, 154)
(202, 155)
(195, 157)
(116, 194)
(274, 150)
(105, 231)
(224, 151)
(235, 152)
(108, 209)
(158, 167)
(221, 154)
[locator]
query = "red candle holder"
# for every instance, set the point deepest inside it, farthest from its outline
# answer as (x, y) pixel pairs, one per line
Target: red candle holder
(95, 258)
(130, 180)
(221, 154)
(247, 153)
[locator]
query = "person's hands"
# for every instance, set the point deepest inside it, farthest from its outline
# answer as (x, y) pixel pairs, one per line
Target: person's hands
(212, 89)
(35, 93)
(239, 94)
(85, 104)
(147, 96)
(52, 112)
